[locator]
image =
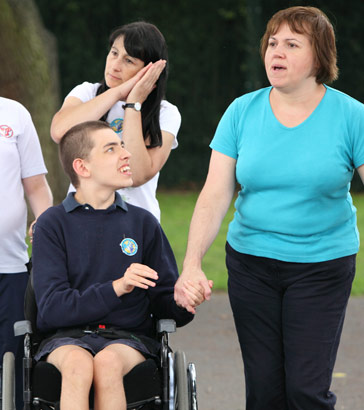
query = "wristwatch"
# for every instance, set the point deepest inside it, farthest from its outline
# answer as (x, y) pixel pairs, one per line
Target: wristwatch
(137, 106)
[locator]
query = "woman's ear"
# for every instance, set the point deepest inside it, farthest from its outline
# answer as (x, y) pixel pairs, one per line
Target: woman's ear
(81, 168)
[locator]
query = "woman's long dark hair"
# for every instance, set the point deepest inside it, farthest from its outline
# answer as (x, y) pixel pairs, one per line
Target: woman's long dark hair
(144, 41)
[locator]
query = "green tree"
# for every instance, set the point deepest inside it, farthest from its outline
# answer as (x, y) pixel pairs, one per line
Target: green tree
(213, 56)
(29, 74)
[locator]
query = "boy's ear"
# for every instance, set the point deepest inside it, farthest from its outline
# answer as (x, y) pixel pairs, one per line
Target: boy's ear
(81, 168)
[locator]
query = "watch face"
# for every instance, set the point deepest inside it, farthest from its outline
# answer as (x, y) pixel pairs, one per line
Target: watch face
(137, 106)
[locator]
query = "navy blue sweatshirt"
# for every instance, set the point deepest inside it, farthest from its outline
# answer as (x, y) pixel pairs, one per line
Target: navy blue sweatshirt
(79, 251)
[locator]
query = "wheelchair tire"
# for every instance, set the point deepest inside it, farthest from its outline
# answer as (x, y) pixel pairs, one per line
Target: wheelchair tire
(192, 389)
(182, 397)
(8, 382)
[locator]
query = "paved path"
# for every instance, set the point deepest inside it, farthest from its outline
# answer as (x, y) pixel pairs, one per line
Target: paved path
(211, 343)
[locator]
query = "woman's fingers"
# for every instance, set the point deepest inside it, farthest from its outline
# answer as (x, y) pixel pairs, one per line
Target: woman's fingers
(194, 293)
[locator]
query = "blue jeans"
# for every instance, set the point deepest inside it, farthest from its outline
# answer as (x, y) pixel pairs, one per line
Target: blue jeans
(12, 290)
(289, 319)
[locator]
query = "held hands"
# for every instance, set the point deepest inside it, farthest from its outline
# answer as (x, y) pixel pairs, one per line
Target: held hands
(137, 275)
(138, 88)
(191, 289)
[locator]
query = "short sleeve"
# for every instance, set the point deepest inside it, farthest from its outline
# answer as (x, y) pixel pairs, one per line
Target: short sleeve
(170, 120)
(357, 129)
(84, 92)
(30, 152)
(225, 138)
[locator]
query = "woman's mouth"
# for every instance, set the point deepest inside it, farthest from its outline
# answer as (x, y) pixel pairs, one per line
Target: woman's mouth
(278, 67)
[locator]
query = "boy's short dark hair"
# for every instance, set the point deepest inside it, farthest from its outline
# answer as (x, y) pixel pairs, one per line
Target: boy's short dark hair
(77, 143)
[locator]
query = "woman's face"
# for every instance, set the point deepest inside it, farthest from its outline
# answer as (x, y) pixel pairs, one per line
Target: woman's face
(289, 60)
(120, 67)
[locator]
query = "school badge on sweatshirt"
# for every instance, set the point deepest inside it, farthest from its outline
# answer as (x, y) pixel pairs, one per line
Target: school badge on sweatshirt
(129, 246)
(117, 125)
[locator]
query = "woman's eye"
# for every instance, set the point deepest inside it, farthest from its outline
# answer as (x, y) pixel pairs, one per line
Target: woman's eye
(271, 44)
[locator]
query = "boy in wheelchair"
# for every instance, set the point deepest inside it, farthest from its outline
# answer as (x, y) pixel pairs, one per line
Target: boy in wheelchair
(102, 270)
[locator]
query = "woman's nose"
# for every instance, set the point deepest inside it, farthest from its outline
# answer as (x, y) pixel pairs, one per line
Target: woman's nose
(116, 65)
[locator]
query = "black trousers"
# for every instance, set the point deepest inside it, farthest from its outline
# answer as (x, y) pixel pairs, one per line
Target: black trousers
(12, 291)
(289, 319)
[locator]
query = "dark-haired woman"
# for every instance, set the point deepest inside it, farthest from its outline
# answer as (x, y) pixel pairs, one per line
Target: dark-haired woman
(291, 246)
(130, 99)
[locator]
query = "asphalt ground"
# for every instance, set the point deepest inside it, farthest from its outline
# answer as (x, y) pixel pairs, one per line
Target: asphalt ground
(211, 343)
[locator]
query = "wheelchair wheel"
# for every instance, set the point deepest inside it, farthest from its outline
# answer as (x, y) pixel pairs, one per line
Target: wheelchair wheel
(192, 389)
(8, 382)
(182, 397)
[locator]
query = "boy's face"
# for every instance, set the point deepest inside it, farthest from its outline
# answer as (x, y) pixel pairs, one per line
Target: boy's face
(108, 161)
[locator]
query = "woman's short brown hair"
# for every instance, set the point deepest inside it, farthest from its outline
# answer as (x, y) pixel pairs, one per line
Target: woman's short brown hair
(315, 24)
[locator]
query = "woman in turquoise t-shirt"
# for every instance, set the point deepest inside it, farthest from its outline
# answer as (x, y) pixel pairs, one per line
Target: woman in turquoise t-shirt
(291, 246)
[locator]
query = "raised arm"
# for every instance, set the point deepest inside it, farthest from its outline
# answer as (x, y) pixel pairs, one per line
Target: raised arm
(74, 111)
(211, 207)
(145, 162)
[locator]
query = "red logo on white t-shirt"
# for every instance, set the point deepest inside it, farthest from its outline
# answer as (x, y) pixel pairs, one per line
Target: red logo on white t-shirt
(6, 131)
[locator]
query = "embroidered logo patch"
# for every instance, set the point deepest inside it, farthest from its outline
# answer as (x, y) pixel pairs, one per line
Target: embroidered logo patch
(117, 125)
(129, 246)
(6, 131)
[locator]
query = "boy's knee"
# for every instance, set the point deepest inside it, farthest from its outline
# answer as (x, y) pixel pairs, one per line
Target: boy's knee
(77, 364)
(108, 361)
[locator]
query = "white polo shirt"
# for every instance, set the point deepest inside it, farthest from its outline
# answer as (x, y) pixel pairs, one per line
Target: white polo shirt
(170, 121)
(20, 157)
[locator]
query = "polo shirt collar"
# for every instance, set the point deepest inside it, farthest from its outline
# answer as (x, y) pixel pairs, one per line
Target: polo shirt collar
(70, 203)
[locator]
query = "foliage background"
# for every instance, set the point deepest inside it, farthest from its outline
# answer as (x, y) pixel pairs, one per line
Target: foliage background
(213, 54)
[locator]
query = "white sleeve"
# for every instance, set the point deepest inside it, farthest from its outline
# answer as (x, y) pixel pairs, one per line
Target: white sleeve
(30, 152)
(170, 120)
(84, 92)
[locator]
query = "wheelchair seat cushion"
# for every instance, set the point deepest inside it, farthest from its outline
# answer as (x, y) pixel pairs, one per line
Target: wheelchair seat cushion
(141, 383)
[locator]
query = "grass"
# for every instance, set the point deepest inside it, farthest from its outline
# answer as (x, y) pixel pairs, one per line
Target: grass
(177, 208)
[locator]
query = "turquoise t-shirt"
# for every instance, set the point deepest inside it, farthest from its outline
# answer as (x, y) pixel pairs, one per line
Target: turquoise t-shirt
(294, 204)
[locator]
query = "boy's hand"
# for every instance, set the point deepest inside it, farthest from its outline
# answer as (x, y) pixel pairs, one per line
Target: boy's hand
(194, 293)
(199, 281)
(137, 275)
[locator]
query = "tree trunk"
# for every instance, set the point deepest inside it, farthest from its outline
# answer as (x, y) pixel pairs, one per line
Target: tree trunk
(29, 74)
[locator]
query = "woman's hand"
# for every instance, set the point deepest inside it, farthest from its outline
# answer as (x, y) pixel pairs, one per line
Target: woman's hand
(137, 275)
(125, 88)
(146, 82)
(194, 293)
(191, 289)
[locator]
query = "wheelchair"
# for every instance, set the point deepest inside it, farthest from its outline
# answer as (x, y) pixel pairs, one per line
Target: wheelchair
(168, 383)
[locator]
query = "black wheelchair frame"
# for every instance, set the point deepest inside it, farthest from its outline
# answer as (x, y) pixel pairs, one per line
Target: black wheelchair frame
(169, 384)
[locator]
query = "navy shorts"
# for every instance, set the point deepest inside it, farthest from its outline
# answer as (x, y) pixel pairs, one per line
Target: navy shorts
(94, 343)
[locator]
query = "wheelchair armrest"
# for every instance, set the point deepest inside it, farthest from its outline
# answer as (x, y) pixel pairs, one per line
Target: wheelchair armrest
(22, 327)
(166, 325)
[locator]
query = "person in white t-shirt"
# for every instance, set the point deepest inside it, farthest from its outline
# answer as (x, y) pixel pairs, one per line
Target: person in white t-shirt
(130, 99)
(22, 171)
